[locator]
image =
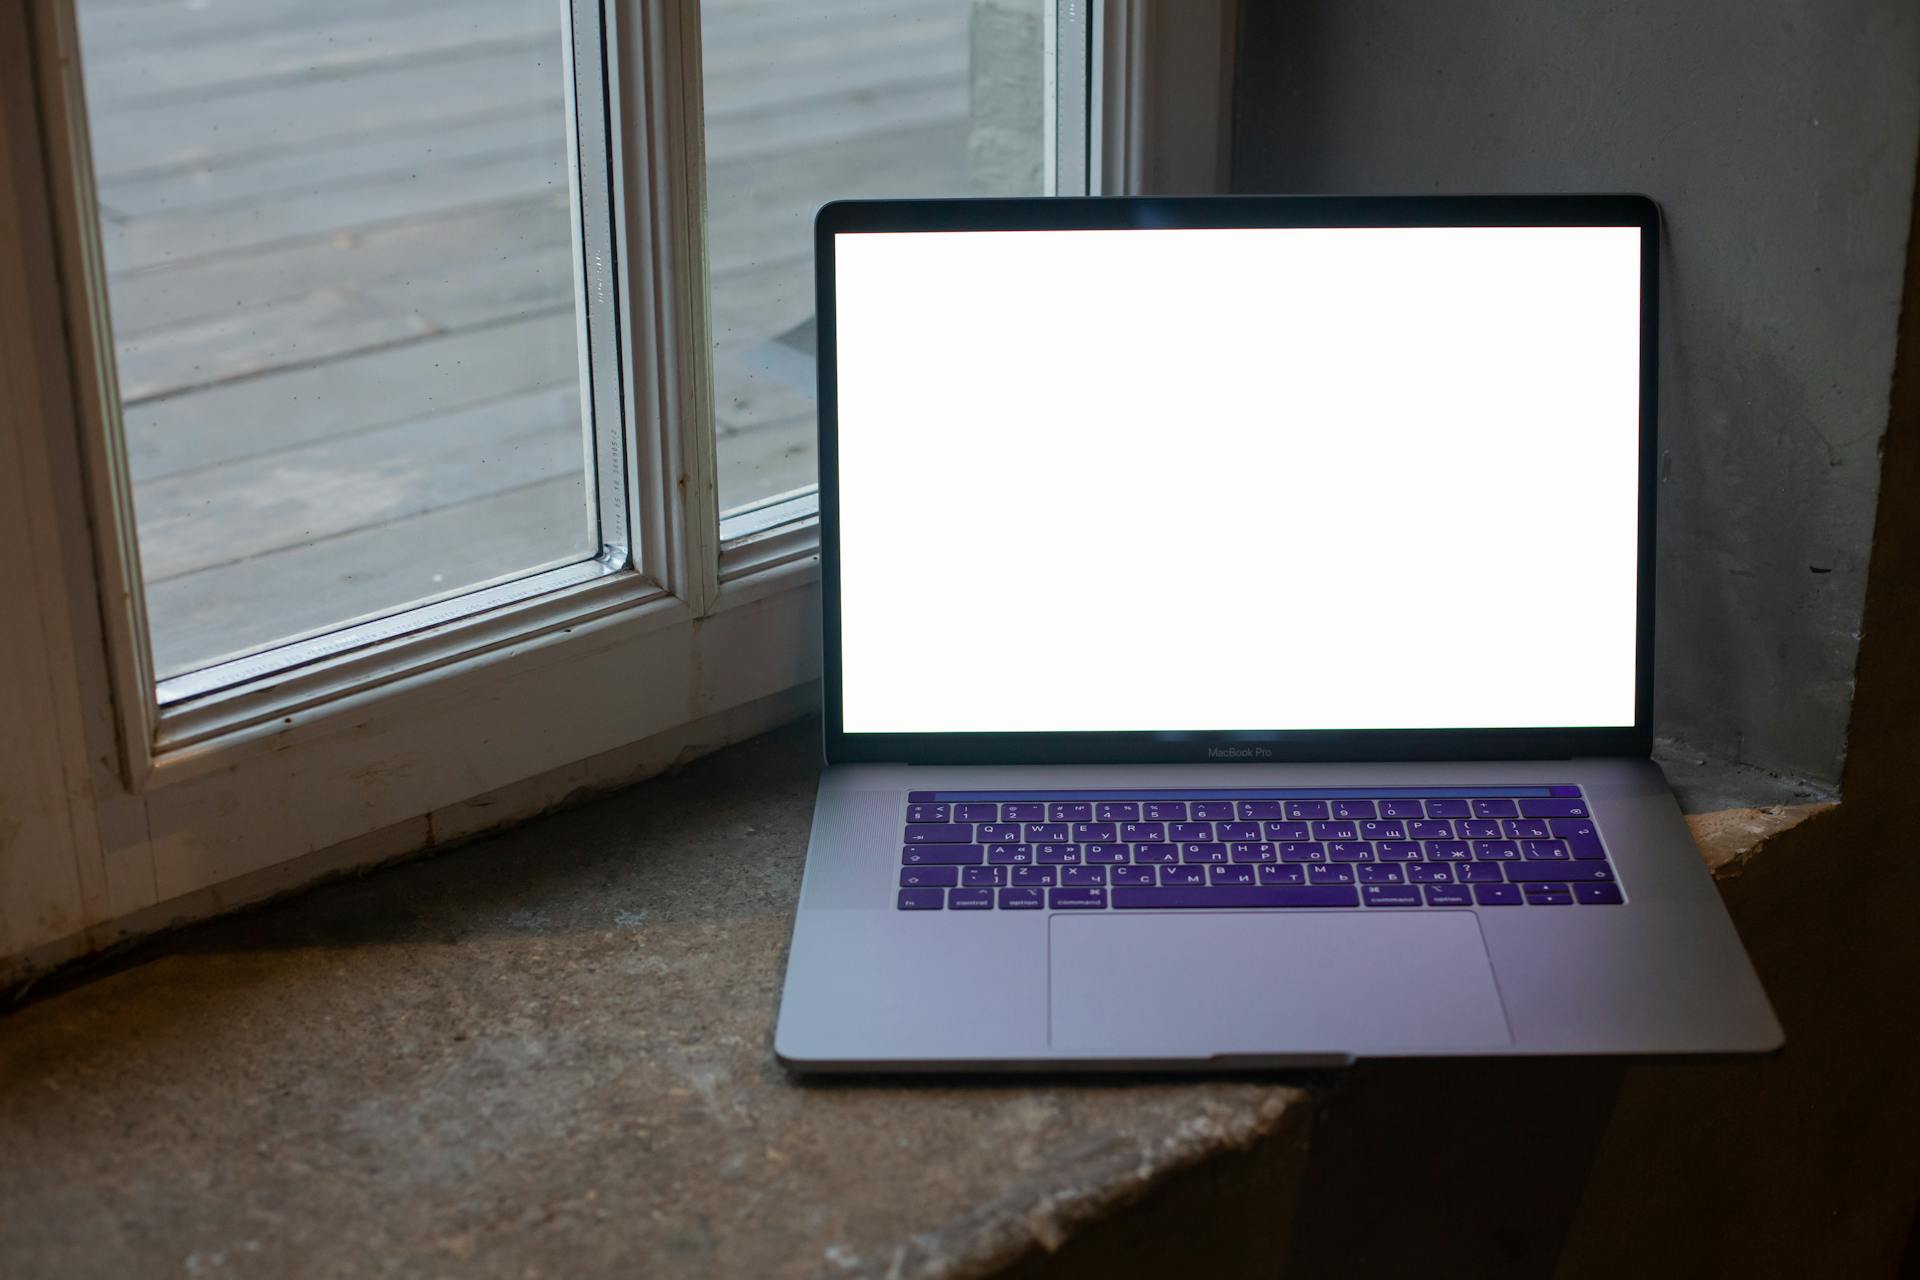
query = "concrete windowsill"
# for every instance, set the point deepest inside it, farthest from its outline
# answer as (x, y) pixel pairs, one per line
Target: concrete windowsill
(551, 1050)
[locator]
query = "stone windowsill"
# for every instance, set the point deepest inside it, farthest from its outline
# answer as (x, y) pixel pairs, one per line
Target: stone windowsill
(553, 1048)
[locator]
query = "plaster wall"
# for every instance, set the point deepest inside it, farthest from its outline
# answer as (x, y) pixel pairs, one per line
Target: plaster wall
(1779, 137)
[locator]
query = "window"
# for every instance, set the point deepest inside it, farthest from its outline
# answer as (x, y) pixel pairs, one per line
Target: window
(343, 247)
(431, 413)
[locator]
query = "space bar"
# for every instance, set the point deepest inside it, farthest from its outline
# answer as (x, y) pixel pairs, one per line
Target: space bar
(1329, 895)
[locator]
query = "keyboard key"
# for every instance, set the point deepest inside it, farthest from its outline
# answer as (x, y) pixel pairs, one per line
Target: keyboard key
(1391, 895)
(1447, 851)
(1133, 875)
(1021, 900)
(1183, 875)
(1497, 895)
(1547, 895)
(1156, 853)
(999, 832)
(1402, 809)
(1351, 809)
(1104, 854)
(922, 899)
(1399, 851)
(1583, 844)
(1564, 827)
(969, 899)
(942, 833)
(1165, 810)
(1010, 854)
(1302, 851)
(1479, 829)
(1350, 851)
(1430, 873)
(1261, 895)
(1306, 810)
(982, 877)
(933, 855)
(1598, 895)
(1495, 850)
(1524, 829)
(1237, 831)
(1284, 830)
(1081, 877)
(1230, 875)
(1431, 829)
(1493, 809)
(1546, 850)
(1071, 811)
(1335, 831)
(1023, 812)
(1033, 877)
(1449, 895)
(1203, 853)
(1560, 872)
(1082, 899)
(976, 812)
(1254, 810)
(1381, 873)
(1251, 851)
(1056, 854)
(1449, 809)
(1478, 873)
(1097, 831)
(1213, 810)
(1282, 873)
(931, 877)
(1141, 832)
(1190, 831)
(1383, 830)
(1117, 811)
(1556, 808)
(1037, 833)
(1324, 873)
(929, 812)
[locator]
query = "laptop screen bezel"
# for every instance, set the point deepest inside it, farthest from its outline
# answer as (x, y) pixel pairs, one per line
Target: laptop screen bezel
(1258, 746)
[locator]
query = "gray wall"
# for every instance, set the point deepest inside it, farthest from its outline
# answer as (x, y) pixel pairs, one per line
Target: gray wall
(1780, 138)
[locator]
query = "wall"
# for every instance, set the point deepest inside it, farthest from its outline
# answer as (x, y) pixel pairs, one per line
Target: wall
(1779, 137)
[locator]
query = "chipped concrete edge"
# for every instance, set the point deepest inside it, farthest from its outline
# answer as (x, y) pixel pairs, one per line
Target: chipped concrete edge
(1083, 1184)
(1729, 838)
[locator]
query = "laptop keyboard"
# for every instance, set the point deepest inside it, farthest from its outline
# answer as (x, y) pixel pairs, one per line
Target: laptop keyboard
(1393, 847)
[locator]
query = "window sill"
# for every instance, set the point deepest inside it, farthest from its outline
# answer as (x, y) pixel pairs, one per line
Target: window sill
(691, 886)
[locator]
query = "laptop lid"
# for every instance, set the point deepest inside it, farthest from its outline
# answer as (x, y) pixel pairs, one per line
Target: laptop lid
(1239, 478)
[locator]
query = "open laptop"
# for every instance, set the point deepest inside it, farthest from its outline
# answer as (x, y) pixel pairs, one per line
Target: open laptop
(1238, 638)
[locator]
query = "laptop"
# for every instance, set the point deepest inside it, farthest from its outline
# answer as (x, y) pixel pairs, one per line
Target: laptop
(1238, 642)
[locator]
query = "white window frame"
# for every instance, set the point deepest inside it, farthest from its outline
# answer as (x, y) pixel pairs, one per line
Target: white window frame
(381, 748)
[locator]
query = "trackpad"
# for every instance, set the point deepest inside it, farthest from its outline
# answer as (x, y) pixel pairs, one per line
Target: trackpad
(1279, 982)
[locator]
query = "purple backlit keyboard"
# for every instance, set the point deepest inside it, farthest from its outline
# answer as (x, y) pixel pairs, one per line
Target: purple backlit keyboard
(1377, 847)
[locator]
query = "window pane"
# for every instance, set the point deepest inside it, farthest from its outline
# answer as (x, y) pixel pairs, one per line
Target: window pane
(340, 251)
(816, 100)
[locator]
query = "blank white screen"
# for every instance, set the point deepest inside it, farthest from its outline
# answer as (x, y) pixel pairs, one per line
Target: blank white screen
(1238, 479)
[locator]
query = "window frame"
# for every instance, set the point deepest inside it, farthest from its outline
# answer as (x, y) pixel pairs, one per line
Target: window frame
(708, 620)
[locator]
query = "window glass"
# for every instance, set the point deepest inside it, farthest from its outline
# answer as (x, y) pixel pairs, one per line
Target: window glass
(340, 244)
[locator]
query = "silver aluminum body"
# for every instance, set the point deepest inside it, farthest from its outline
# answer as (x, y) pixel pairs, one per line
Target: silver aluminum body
(873, 988)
